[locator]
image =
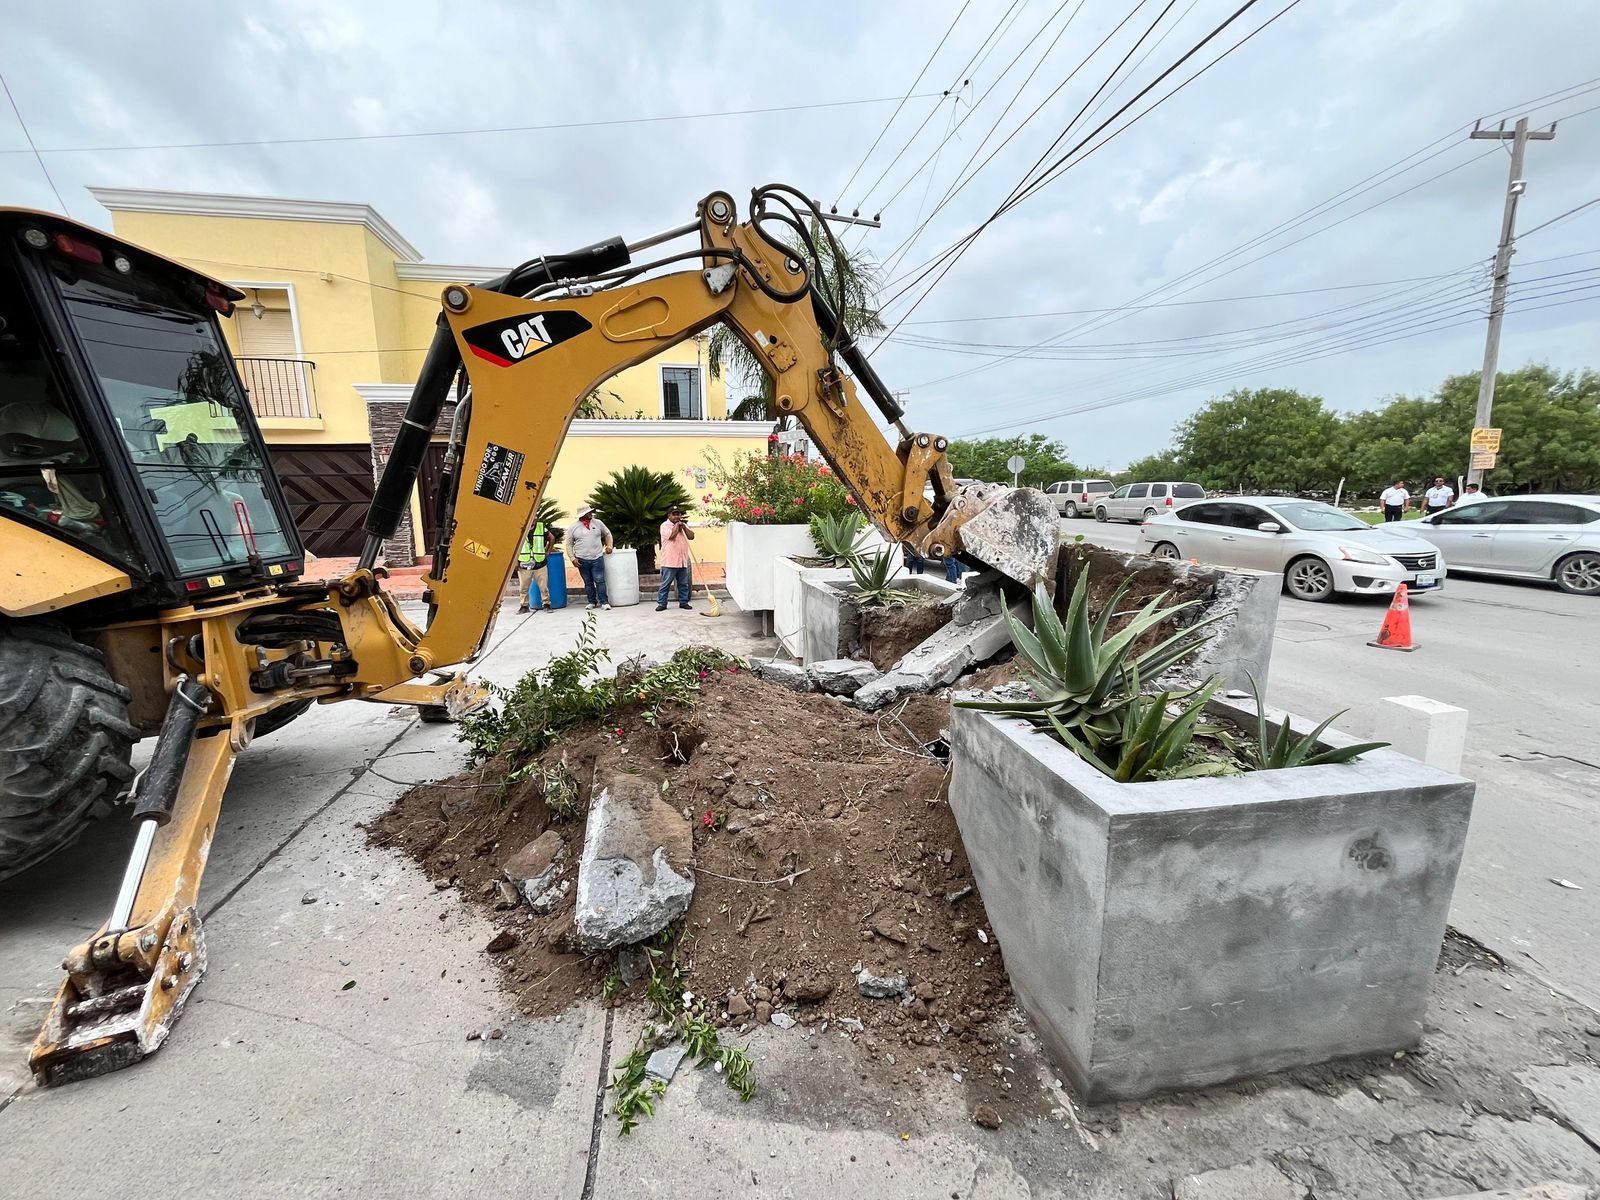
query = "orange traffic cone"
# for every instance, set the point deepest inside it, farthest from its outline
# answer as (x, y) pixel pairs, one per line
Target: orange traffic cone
(1395, 633)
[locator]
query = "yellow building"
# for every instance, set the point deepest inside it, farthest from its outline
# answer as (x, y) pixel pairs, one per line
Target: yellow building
(338, 313)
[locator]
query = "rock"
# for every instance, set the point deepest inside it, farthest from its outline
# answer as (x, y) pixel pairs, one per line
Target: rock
(841, 676)
(923, 991)
(738, 1007)
(785, 674)
(980, 597)
(886, 689)
(535, 858)
(881, 987)
(309, 898)
(545, 901)
(851, 1024)
(1254, 1180)
(961, 893)
(761, 993)
(639, 664)
(506, 896)
(496, 1034)
(475, 1036)
(885, 926)
(633, 877)
(783, 1020)
(501, 942)
(808, 989)
(663, 1064)
(763, 1012)
(985, 1117)
(632, 965)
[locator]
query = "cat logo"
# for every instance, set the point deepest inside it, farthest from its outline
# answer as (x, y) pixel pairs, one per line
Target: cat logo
(513, 340)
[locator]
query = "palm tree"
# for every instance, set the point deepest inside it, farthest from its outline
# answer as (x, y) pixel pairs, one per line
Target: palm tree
(731, 358)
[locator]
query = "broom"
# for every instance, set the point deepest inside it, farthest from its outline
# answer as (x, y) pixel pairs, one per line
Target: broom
(713, 609)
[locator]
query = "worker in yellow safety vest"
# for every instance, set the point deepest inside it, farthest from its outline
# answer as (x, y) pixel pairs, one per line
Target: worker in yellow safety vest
(532, 557)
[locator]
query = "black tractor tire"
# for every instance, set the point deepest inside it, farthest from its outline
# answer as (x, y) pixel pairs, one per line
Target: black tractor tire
(65, 741)
(279, 717)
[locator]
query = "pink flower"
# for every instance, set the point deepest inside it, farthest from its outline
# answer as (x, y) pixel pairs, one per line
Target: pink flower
(850, 500)
(708, 819)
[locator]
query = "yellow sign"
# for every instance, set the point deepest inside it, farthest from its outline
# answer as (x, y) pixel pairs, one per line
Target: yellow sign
(1485, 439)
(478, 548)
(1482, 460)
(274, 569)
(214, 581)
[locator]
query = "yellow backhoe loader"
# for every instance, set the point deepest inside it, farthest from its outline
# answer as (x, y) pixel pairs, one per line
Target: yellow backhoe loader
(151, 576)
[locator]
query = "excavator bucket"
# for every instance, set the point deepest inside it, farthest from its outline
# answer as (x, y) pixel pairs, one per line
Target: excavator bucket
(1017, 531)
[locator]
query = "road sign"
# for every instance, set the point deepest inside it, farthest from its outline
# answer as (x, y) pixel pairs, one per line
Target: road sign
(1483, 460)
(1485, 439)
(1015, 463)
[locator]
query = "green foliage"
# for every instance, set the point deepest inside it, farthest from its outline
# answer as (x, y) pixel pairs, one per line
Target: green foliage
(1153, 740)
(985, 459)
(1266, 440)
(633, 1093)
(838, 536)
(552, 514)
(874, 579)
(633, 503)
(557, 783)
(772, 489)
(1153, 467)
(1280, 749)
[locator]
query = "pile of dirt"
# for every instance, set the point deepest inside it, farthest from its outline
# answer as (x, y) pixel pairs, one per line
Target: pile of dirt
(823, 846)
(1148, 578)
(891, 631)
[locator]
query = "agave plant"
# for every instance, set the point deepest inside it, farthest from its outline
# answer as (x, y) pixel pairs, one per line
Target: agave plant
(1152, 739)
(1081, 674)
(874, 580)
(838, 537)
(633, 503)
(1280, 749)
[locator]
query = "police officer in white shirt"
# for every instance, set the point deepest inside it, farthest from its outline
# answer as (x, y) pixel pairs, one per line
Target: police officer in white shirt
(1438, 497)
(1394, 501)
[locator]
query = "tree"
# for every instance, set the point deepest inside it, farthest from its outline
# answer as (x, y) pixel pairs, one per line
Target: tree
(985, 459)
(1267, 440)
(1153, 467)
(855, 272)
(633, 502)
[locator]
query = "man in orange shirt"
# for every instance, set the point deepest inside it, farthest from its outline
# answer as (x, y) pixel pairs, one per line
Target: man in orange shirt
(673, 557)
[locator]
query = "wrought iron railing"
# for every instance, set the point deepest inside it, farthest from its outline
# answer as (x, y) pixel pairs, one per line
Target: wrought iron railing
(280, 387)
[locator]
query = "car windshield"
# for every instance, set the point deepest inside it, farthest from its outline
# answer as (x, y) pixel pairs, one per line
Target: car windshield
(1317, 518)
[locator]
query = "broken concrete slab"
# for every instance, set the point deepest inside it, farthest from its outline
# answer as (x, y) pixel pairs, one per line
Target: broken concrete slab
(663, 1064)
(1572, 1093)
(881, 987)
(639, 664)
(841, 676)
(1254, 1180)
(942, 659)
(633, 877)
(785, 674)
(1018, 531)
(535, 870)
(980, 597)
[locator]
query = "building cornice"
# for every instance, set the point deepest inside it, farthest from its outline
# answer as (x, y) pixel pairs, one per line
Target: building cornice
(447, 272)
(400, 393)
(270, 208)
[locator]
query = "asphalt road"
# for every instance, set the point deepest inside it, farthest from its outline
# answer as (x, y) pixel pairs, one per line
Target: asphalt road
(1524, 661)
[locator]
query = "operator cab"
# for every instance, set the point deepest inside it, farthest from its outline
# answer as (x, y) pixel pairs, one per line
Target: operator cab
(124, 428)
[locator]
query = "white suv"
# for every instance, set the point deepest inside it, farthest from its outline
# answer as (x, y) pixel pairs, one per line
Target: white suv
(1141, 501)
(1076, 497)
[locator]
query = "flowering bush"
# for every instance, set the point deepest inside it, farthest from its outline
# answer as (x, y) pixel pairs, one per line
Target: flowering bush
(780, 489)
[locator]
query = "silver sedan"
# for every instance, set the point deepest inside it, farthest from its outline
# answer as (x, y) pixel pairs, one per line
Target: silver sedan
(1319, 549)
(1550, 538)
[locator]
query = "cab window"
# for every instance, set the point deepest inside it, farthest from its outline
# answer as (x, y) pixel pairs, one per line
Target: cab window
(1122, 492)
(1158, 491)
(1138, 491)
(1485, 512)
(1547, 512)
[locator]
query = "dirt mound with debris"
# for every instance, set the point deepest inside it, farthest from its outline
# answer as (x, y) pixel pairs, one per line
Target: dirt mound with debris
(889, 632)
(830, 880)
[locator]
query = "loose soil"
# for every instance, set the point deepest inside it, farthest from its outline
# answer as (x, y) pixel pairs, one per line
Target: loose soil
(850, 804)
(1151, 577)
(890, 632)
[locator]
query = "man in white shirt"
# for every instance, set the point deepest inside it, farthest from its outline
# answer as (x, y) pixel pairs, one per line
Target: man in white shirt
(1472, 495)
(1438, 497)
(1394, 501)
(589, 541)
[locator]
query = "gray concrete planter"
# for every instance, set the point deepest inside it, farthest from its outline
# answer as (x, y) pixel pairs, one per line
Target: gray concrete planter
(831, 617)
(788, 599)
(1188, 932)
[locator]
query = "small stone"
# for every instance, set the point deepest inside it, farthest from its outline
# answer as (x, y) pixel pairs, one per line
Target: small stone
(808, 989)
(784, 674)
(761, 993)
(535, 857)
(663, 1064)
(452, 807)
(309, 898)
(985, 1117)
(961, 893)
(853, 1025)
(738, 1007)
(474, 1036)
(783, 1020)
(501, 942)
(919, 1010)
(881, 987)
(923, 990)
(506, 895)
(947, 856)
(763, 1012)
(885, 926)
(439, 885)
(496, 1034)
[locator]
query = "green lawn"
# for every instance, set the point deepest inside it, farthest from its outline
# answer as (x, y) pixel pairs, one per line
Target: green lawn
(1377, 517)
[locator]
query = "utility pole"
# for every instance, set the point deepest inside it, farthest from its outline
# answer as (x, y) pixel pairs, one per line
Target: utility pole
(1519, 137)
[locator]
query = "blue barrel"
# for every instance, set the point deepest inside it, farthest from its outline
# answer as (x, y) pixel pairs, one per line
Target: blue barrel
(557, 575)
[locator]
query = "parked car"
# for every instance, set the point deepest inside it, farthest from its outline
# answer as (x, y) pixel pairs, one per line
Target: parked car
(1552, 538)
(1141, 501)
(1076, 497)
(1320, 549)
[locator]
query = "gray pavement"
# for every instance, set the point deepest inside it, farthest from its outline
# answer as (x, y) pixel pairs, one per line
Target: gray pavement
(1524, 661)
(279, 1081)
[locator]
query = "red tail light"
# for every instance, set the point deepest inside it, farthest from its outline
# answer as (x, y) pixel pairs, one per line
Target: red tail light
(192, 585)
(73, 248)
(1169, 501)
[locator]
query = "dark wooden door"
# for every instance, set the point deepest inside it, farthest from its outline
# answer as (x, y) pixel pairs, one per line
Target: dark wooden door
(429, 479)
(328, 489)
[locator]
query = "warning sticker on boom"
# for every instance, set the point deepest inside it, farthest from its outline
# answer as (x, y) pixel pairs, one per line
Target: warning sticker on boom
(498, 474)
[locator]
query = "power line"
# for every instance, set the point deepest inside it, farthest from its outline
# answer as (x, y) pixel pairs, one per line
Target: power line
(37, 157)
(1562, 217)
(472, 132)
(902, 104)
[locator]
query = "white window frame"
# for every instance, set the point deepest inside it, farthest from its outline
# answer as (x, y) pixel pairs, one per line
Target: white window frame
(661, 389)
(294, 308)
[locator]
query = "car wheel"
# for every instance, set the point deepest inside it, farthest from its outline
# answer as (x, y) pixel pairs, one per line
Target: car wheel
(1579, 573)
(1072, 510)
(1308, 578)
(1165, 550)
(1149, 514)
(1100, 515)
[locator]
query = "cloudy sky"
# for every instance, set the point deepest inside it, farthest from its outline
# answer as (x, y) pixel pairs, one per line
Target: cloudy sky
(1152, 273)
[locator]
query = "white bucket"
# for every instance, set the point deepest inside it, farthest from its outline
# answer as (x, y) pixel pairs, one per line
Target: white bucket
(622, 577)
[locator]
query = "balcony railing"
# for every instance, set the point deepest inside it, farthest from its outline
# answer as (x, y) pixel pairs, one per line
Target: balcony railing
(280, 387)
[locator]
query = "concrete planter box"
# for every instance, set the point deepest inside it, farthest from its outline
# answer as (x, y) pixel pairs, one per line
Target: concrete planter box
(788, 599)
(831, 617)
(752, 551)
(1188, 932)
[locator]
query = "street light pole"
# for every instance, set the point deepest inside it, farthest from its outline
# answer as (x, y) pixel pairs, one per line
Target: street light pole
(1519, 137)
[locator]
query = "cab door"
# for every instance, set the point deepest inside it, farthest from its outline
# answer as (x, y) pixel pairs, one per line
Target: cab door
(1465, 535)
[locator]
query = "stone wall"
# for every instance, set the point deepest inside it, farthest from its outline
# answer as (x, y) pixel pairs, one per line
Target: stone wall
(383, 421)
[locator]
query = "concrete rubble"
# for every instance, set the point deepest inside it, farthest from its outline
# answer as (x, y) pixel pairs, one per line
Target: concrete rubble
(841, 676)
(633, 877)
(940, 660)
(535, 871)
(785, 674)
(1254, 1180)
(663, 1064)
(881, 987)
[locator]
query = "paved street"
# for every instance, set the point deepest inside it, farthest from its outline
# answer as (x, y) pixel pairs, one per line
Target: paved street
(1523, 660)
